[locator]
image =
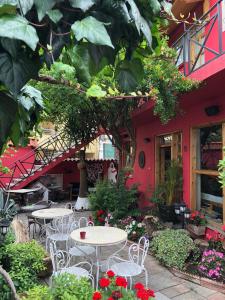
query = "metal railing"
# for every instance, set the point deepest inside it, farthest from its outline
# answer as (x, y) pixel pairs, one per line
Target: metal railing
(35, 160)
(201, 42)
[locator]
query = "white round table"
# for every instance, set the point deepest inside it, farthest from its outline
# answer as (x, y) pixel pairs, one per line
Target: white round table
(100, 236)
(51, 213)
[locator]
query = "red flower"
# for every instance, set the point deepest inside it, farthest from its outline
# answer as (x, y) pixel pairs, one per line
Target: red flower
(104, 282)
(142, 294)
(117, 295)
(120, 281)
(208, 236)
(223, 227)
(151, 293)
(97, 296)
(110, 273)
(101, 220)
(139, 286)
(110, 298)
(100, 212)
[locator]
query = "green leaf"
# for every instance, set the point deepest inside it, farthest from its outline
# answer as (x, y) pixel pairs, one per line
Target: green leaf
(15, 73)
(8, 109)
(13, 47)
(96, 91)
(129, 74)
(17, 27)
(55, 15)
(25, 5)
(82, 62)
(167, 7)
(8, 7)
(83, 5)
(33, 93)
(135, 14)
(43, 6)
(155, 5)
(146, 31)
(93, 30)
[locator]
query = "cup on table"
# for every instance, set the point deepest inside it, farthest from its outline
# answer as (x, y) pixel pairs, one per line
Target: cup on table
(82, 235)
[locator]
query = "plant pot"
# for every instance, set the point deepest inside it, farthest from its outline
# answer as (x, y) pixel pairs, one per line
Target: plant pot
(48, 268)
(167, 213)
(197, 230)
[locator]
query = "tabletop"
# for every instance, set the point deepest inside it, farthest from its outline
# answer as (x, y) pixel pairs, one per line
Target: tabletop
(24, 191)
(100, 235)
(51, 213)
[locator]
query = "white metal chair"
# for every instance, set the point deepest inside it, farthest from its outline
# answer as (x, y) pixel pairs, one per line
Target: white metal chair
(77, 249)
(58, 230)
(134, 266)
(61, 264)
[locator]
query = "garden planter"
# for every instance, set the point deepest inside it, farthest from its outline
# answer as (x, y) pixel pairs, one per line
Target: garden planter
(48, 268)
(197, 230)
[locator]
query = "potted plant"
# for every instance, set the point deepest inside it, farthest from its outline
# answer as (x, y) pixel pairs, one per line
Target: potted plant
(169, 192)
(197, 223)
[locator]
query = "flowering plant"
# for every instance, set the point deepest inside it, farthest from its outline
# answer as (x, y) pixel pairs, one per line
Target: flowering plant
(212, 264)
(198, 218)
(100, 217)
(113, 288)
(215, 240)
(134, 228)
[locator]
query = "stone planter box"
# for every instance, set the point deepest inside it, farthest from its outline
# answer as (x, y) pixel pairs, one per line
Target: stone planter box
(208, 283)
(197, 230)
(48, 268)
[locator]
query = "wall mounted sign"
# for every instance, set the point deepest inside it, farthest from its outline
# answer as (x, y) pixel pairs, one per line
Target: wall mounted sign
(141, 159)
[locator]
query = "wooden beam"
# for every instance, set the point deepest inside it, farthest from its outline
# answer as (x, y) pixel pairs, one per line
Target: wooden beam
(193, 162)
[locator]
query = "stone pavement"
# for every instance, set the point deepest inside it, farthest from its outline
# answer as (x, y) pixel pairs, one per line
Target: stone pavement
(163, 282)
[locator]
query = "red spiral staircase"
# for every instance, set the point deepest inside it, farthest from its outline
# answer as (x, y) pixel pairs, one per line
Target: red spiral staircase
(41, 159)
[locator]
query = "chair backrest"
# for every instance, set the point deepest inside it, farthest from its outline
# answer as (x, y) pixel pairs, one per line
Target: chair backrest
(60, 259)
(138, 251)
(59, 225)
(84, 222)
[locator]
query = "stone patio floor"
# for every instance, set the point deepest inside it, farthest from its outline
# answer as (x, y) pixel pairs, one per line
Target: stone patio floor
(162, 281)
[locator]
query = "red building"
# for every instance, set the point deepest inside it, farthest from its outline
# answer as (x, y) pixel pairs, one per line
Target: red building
(198, 134)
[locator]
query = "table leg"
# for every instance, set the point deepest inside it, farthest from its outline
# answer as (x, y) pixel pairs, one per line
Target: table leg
(98, 263)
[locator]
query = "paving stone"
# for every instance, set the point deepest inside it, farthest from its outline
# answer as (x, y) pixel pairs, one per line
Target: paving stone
(189, 296)
(217, 296)
(159, 296)
(175, 290)
(203, 291)
(161, 281)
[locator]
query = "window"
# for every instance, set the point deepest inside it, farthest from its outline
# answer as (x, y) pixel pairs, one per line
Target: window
(207, 194)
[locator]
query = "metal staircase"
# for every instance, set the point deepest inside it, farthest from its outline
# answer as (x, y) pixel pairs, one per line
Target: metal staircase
(41, 159)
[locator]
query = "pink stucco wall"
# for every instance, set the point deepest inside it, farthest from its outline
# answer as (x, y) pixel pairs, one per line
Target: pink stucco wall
(149, 126)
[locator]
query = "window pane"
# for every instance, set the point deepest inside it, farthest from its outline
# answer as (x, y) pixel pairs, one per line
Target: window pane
(211, 197)
(211, 147)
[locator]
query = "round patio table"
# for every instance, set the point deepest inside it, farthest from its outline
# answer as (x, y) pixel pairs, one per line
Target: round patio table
(51, 213)
(100, 236)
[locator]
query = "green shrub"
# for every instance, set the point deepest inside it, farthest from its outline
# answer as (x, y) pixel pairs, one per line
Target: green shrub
(172, 247)
(64, 287)
(114, 198)
(24, 261)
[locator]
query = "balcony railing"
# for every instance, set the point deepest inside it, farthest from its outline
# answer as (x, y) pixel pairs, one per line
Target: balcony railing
(203, 41)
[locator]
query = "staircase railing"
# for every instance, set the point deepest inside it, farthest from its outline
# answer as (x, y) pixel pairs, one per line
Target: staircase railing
(202, 42)
(35, 160)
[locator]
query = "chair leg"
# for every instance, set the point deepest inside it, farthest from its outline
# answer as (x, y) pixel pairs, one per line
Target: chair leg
(131, 282)
(146, 278)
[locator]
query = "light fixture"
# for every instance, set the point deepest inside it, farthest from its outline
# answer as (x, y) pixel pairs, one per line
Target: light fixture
(4, 226)
(147, 140)
(212, 110)
(182, 211)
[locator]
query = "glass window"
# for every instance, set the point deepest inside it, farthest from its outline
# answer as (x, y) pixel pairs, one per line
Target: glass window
(210, 147)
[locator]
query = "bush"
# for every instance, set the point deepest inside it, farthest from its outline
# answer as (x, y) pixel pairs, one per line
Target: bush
(113, 198)
(173, 247)
(24, 261)
(64, 287)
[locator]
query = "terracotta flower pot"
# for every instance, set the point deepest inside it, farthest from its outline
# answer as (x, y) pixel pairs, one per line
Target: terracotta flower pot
(197, 230)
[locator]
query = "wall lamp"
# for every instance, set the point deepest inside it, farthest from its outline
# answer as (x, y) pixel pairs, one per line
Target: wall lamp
(212, 110)
(147, 140)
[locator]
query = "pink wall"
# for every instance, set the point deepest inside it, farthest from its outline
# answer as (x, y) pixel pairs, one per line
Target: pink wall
(71, 173)
(149, 126)
(24, 154)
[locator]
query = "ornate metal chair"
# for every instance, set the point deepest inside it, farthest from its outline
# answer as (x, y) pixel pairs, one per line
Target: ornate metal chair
(61, 264)
(134, 266)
